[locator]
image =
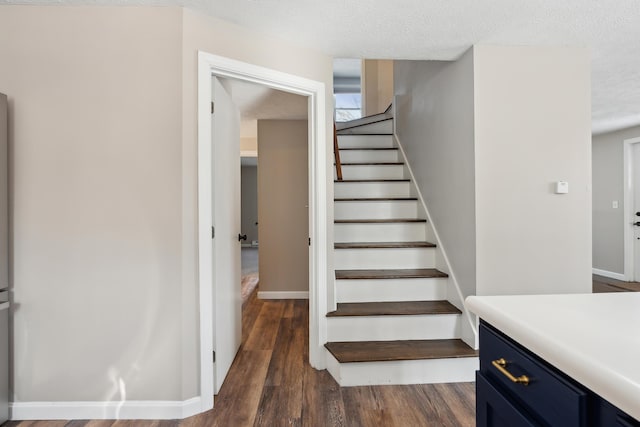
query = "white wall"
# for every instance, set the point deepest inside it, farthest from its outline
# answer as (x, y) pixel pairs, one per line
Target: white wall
(377, 85)
(608, 185)
(487, 136)
(283, 199)
(95, 116)
(434, 122)
(532, 128)
(103, 129)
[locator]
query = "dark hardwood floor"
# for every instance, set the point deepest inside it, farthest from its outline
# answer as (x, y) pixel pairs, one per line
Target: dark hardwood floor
(271, 383)
(604, 284)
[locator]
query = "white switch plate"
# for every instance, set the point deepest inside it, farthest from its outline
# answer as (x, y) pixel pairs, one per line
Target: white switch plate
(562, 187)
(614, 204)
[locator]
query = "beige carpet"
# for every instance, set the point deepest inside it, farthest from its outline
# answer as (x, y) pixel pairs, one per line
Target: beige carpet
(249, 283)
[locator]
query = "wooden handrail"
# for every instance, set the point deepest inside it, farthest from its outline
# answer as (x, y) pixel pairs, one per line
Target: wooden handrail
(336, 152)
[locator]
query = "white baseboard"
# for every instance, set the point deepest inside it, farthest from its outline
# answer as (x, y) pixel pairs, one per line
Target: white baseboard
(140, 410)
(609, 274)
(283, 295)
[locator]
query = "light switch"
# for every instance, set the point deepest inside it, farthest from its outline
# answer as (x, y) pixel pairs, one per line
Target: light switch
(614, 204)
(562, 187)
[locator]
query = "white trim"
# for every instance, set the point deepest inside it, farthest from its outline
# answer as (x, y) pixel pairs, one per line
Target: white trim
(468, 330)
(209, 65)
(283, 295)
(141, 410)
(609, 274)
(629, 273)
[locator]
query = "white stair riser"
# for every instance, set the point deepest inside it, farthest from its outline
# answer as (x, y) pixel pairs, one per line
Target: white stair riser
(391, 232)
(385, 126)
(389, 328)
(372, 189)
(365, 141)
(371, 172)
(380, 232)
(382, 290)
(364, 156)
(376, 209)
(431, 371)
(384, 258)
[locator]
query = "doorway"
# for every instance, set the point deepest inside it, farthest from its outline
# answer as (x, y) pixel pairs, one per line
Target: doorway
(249, 221)
(632, 209)
(212, 65)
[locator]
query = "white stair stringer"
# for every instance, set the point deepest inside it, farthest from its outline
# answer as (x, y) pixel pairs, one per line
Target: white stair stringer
(403, 372)
(469, 331)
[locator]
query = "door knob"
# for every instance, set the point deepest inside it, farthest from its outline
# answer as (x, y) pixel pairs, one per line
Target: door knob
(637, 223)
(637, 213)
(242, 237)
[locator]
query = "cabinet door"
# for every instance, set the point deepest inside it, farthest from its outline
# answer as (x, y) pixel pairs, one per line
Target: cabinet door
(607, 415)
(493, 409)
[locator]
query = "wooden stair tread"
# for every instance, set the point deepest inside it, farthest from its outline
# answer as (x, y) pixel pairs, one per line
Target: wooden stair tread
(378, 221)
(374, 199)
(372, 163)
(413, 273)
(383, 245)
(369, 148)
(372, 180)
(394, 308)
(383, 351)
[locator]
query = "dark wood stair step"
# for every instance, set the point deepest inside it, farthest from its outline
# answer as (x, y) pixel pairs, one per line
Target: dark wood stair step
(369, 148)
(383, 245)
(394, 308)
(384, 351)
(378, 221)
(376, 199)
(372, 164)
(412, 273)
(371, 180)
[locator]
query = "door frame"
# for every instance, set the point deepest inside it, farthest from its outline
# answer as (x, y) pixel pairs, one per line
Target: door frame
(208, 66)
(629, 255)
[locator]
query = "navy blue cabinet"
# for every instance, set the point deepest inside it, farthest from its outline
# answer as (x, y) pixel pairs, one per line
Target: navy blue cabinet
(514, 388)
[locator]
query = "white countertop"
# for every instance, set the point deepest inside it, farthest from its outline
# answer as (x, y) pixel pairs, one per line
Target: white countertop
(593, 338)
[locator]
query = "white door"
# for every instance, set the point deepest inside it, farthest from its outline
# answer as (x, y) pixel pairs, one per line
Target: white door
(227, 302)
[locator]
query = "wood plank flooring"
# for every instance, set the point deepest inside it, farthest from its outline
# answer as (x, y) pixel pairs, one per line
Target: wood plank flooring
(605, 284)
(272, 384)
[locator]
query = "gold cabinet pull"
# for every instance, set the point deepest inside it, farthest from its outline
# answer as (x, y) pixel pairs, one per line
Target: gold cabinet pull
(501, 365)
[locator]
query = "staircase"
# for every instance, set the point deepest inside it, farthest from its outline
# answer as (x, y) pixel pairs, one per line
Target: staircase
(393, 323)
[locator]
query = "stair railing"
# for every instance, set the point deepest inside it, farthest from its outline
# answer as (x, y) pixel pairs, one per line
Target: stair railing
(336, 152)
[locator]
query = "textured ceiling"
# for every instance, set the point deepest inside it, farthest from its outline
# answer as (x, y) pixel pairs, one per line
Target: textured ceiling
(430, 29)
